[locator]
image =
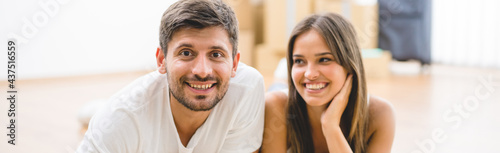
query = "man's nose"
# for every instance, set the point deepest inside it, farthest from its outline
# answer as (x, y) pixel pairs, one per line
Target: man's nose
(202, 67)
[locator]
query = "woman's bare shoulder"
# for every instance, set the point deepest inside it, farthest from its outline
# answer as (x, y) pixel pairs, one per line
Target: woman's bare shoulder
(381, 113)
(379, 106)
(382, 125)
(276, 99)
(275, 122)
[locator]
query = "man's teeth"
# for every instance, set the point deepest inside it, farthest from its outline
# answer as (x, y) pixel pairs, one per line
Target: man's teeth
(202, 87)
(315, 86)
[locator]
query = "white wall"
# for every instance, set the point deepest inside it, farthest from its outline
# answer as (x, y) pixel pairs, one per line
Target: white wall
(80, 37)
(466, 33)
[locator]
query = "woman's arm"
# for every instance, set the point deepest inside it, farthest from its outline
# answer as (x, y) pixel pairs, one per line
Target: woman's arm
(274, 140)
(335, 140)
(330, 120)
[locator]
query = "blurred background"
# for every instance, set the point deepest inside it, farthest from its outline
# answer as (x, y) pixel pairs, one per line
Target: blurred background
(436, 61)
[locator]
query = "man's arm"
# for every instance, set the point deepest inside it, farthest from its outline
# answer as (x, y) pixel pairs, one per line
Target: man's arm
(110, 131)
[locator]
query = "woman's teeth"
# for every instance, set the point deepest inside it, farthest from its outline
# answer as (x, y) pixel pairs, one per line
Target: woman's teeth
(315, 86)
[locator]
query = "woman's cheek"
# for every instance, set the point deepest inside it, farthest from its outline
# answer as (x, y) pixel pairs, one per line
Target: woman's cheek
(296, 75)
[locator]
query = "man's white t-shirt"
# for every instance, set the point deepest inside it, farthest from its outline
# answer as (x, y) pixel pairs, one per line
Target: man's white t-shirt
(138, 119)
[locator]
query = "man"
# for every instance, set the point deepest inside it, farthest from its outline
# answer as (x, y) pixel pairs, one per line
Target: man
(201, 99)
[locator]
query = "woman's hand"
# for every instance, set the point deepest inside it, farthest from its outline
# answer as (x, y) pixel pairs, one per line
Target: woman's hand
(331, 116)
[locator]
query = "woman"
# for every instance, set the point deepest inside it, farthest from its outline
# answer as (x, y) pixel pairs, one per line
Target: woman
(328, 108)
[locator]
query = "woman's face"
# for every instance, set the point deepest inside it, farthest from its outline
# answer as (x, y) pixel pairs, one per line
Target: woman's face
(315, 73)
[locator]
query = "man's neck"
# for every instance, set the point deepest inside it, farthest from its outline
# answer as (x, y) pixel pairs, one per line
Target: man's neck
(186, 121)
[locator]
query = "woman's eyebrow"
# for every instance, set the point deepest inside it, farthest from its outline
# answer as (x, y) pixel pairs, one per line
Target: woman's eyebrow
(324, 53)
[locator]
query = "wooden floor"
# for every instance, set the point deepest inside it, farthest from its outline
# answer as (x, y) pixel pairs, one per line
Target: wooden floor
(444, 109)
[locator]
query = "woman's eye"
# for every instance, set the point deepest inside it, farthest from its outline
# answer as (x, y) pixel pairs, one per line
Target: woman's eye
(325, 60)
(298, 61)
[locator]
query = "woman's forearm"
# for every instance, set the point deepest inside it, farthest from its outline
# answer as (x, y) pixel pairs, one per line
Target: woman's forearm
(335, 140)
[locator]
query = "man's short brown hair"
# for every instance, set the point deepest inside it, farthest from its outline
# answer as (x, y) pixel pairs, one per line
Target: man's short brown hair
(198, 14)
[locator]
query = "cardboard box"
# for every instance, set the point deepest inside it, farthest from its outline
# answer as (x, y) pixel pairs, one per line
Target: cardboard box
(244, 10)
(303, 8)
(246, 46)
(376, 63)
(275, 27)
(323, 6)
(280, 20)
(259, 23)
(364, 18)
(365, 21)
(267, 58)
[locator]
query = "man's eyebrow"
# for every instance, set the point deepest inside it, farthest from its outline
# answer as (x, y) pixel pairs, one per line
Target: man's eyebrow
(184, 45)
(191, 46)
(219, 48)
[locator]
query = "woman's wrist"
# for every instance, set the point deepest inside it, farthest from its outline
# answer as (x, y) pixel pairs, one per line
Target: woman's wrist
(330, 121)
(329, 125)
(329, 129)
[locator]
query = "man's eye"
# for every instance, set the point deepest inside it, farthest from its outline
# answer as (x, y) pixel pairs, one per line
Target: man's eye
(186, 53)
(216, 55)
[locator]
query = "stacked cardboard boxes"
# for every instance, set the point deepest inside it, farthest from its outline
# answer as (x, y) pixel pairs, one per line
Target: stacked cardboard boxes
(265, 26)
(363, 16)
(276, 26)
(376, 63)
(245, 13)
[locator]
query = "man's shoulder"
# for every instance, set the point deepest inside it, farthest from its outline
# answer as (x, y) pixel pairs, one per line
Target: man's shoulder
(123, 120)
(140, 91)
(135, 95)
(247, 75)
(247, 81)
(246, 91)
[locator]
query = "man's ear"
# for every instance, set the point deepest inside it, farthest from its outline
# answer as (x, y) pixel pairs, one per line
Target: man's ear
(160, 61)
(235, 64)
(159, 56)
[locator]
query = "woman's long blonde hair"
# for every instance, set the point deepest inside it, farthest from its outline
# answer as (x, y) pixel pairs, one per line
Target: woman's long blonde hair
(341, 38)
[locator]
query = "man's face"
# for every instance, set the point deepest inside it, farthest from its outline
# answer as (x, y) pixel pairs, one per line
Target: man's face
(199, 65)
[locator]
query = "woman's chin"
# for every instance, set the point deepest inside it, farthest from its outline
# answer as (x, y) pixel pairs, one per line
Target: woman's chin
(317, 101)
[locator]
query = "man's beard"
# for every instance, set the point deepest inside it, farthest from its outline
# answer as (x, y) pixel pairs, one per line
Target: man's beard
(177, 88)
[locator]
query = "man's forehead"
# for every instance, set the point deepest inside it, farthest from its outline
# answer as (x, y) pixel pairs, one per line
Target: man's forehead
(205, 30)
(206, 38)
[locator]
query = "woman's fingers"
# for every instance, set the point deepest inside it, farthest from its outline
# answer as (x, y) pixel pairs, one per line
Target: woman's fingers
(345, 91)
(334, 111)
